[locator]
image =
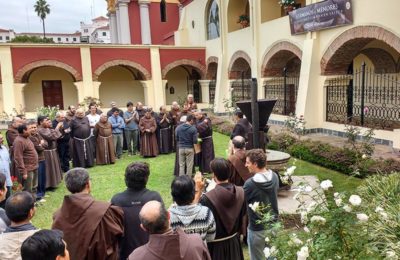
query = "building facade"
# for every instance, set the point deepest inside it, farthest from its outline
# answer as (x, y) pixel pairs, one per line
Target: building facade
(333, 77)
(98, 31)
(6, 35)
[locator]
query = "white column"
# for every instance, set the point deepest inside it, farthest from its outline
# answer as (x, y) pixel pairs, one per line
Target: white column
(8, 90)
(125, 35)
(113, 27)
(145, 21)
(118, 18)
(180, 11)
(205, 91)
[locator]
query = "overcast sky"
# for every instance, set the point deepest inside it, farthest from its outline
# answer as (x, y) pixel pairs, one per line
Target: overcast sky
(65, 15)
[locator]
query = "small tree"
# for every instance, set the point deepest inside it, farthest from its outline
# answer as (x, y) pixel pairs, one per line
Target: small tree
(42, 8)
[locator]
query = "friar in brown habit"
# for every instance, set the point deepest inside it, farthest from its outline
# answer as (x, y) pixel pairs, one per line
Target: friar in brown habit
(228, 206)
(239, 172)
(105, 152)
(92, 229)
(164, 131)
(175, 115)
(148, 138)
(82, 149)
(53, 166)
(11, 134)
(204, 128)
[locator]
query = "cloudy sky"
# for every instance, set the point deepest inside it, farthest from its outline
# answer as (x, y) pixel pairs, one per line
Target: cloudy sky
(65, 15)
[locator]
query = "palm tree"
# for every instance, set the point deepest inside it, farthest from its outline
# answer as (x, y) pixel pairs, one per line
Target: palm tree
(42, 8)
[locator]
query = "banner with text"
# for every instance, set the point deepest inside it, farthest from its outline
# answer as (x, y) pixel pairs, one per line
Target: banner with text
(322, 15)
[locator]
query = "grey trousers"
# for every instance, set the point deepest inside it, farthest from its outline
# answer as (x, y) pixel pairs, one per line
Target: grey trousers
(118, 142)
(256, 243)
(186, 161)
(131, 137)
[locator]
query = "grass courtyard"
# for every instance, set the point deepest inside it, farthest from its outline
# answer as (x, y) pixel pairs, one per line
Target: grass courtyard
(109, 180)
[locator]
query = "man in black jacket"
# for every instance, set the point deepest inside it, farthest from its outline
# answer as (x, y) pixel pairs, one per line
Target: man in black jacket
(131, 201)
(260, 189)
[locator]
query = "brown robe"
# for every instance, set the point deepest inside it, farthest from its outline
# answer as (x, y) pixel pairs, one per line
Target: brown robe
(105, 153)
(148, 140)
(190, 106)
(53, 167)
(206, 155)
(164, 134)
(239, 172)
(172, 245)
(92, 229)
(175, 115)
(82, 149)
(228, 206)
(11, 134)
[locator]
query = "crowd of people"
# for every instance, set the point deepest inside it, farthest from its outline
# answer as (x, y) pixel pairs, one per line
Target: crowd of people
(205, 221)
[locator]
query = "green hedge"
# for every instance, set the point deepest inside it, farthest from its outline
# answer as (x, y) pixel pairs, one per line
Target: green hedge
(339, 159)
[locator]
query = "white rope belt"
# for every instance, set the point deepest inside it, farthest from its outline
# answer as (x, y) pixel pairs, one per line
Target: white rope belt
(223, 239)
(84, 144)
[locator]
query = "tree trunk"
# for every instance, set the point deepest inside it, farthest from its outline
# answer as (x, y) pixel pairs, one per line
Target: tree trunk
(44, 30)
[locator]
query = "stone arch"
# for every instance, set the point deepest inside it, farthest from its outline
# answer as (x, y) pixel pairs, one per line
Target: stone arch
(242, 60)
(212, 66)
(382, 60)
(144, 73)
(347, 45)
(282, 54)
(200, 68)
(212, 59)
(22, 75)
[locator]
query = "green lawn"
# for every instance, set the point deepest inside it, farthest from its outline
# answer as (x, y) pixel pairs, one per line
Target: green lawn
(108, 180)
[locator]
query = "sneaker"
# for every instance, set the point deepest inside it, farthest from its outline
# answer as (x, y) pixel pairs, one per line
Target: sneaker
(42, 200)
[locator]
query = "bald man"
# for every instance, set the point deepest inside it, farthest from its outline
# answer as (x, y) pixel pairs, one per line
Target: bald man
(239, 172)
(82, 149)
(190, 104)
(164, 243)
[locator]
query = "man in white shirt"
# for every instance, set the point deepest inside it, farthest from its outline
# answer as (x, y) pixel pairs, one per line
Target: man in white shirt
(94, 118)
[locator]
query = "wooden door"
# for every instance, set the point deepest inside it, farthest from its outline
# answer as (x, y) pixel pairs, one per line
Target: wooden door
(52, 93)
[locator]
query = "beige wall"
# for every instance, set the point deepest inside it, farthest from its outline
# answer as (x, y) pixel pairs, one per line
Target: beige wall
(33, 94)
(177, 78)
(117, 84)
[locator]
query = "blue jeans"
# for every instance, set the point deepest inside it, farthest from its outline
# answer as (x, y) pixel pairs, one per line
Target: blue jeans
(41, 189)
(256, 243)
(118, 139)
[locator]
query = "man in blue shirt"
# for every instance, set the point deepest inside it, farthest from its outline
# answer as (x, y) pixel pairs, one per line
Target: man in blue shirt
(118, 126)
(131, 129)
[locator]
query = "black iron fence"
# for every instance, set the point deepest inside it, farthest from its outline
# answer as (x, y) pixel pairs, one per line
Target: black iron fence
(364, 99)
(284, 89)
(241, 89)
(211, 90)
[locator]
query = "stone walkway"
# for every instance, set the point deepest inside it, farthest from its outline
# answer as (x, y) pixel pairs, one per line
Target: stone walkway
(286, 201)
(381, 151)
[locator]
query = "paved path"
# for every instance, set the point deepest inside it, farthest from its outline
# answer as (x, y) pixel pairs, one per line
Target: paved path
(287, 203)
(381, 151)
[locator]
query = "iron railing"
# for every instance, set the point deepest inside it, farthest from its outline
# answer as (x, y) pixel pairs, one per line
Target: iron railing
(284, 90)
(241, 89)
(364, 99)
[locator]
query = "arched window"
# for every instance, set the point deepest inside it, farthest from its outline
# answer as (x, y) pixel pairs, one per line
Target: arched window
(213, 20)
(163, 11)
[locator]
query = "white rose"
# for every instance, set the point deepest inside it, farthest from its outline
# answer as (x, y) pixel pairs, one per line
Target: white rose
(320, 219)
(306, 229)
(347, 208)
(384, 215)
(303, 253)
(391, 255)
(290, 171)
(355, 200)
(364, 156)
(267, 239)
(297, 241)
(254, 206)
(326, 184)
(362, 217)
(379, 209)
(338, 202)
(308, 189)
(267, 252)
(273, 250)
(336, 194)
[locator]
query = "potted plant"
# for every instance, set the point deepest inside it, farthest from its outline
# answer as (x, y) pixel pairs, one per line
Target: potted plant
(288, 5)
(244, 20)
